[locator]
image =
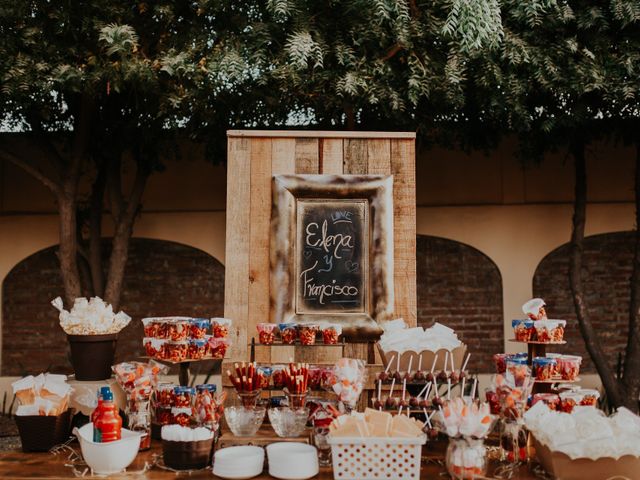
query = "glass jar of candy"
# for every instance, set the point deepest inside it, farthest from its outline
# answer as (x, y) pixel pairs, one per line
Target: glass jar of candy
(466, 458)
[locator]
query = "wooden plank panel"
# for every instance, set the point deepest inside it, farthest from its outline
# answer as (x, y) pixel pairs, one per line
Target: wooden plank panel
(260, 233)
(355, 156)
(236, 291)
(283, 156)
(379, 157)
(307, 155)
(318, 134)
(332, 156)
(404, 223)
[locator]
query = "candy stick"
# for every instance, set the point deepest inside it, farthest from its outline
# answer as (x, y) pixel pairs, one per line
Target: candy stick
(393, 382)
(398, 367)
(462, 387)
(404, 388)
(380, 390)
(400, 410)
(435, 387)
(410, 363)
(426, 417)
(419, 363)
(433, 365)
(386, 370)
(446, 361)
(448, 389)
(464, 365)
(473, 389)
(423, 390)
(453, 366)
(428, 391)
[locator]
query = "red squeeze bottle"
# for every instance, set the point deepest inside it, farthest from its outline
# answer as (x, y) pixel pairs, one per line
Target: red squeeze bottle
(108, 422)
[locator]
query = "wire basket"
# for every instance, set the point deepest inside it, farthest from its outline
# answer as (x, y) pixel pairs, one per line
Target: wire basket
(375, 458)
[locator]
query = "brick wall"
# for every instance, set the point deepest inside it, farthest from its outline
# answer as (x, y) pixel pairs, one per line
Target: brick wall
(162, 278)
(606, 271)
(461, 287)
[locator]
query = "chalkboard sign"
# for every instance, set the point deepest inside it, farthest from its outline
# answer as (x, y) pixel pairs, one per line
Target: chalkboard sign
(332, 256)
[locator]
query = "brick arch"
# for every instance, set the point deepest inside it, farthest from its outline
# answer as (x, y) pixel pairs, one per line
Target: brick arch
(607, 265)
(162, 278)
(461, 287)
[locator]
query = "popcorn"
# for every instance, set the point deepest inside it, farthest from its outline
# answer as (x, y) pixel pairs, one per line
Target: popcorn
(178, 433)
(90, 317)
(45, 394)
(586, 432)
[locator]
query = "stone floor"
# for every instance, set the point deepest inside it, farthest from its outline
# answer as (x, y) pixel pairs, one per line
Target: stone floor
(9, 439)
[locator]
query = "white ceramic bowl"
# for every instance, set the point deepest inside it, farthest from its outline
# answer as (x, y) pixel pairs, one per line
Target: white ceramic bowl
(111, 457)
(238, 462)
(292, 460)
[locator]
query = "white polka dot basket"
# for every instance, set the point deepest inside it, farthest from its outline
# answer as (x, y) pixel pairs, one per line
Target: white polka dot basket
(376, 458)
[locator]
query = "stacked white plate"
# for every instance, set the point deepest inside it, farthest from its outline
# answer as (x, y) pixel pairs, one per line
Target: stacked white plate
(238, 462)
(292, 460)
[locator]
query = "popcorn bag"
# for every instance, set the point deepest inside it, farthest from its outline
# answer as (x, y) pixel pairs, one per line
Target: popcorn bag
(92, 331)
(43, 417)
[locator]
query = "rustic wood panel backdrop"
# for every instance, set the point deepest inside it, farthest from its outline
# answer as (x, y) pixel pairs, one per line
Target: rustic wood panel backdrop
(253, 157)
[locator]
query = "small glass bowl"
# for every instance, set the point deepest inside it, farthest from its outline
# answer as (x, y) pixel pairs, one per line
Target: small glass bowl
(288, 422)
(244, 422)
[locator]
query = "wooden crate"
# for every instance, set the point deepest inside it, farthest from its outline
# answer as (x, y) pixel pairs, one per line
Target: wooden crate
(253, 158)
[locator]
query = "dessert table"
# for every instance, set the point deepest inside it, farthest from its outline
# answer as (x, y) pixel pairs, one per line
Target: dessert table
(19, 465)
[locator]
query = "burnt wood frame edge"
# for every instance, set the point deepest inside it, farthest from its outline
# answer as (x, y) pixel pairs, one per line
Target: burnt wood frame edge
(378, 190)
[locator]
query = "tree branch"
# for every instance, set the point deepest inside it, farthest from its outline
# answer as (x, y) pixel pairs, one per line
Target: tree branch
(114, 184)
(590, 336)
(392, 52)
(122, 235)
(32, 170)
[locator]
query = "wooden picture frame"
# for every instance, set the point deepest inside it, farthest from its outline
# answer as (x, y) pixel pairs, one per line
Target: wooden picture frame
(331, 251)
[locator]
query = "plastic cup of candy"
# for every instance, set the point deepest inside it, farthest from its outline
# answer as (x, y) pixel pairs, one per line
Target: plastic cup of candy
(543, 368)
(500, 360)
(549, 331)
(176, 351)
(307, 333)
(523, 330)
(218, 347)
(220, 327)
(278, 376)
(183, 396)
(330, 334)
(197, 349)
(589, 397)
(288, 333)
(266, 376)
(198, 328)
(517, 371)
(494, 401)
(163, 415)
(153, 327)
(154, 347)
(569, 367)
(182, 415)
(551, 400)
(266, 333)
(164, 394)
(178, 328)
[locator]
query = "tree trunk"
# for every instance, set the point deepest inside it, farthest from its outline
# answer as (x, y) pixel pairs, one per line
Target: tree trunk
(591, 339)
(631, 373)
(68, 250)
(121, 237)
(95, 231)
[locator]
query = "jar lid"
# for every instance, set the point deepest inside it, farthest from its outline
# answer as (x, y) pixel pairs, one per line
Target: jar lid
(199, 342)
(180, 389)
(544, 361)
(201, 322)
(265, 371)
(517, 321)
(517, 360)
(284, 326)
(209, 387)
